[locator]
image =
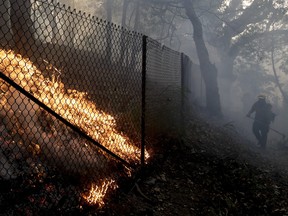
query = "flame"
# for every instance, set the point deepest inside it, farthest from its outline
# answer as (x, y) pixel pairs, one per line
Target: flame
(74, 106)
(71, 104)
(97, 193)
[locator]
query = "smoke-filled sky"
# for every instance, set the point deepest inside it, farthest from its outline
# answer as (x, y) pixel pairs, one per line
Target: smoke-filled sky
(244, 40)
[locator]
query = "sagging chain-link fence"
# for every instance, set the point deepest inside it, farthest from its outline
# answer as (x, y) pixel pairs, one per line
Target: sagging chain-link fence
(80, 98)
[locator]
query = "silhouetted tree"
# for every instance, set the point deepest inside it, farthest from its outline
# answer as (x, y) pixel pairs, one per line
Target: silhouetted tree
(109, 28)
(22, 26)
(5, 34)
(241, 31)
(208, 70)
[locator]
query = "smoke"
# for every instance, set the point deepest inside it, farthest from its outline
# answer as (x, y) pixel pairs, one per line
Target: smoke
(237, 45)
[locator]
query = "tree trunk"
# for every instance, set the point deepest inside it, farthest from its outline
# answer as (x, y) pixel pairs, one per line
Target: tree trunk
(136, 29)
(22, 27)
(5, 35)
(208, 70)
(109, 4)
(284, 95)
(53, 22)
(123, 33)
(68, 23)
(137, 16)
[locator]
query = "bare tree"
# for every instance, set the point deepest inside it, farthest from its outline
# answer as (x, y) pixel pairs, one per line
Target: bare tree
(175, 8)
(237, 27)
(208, 70)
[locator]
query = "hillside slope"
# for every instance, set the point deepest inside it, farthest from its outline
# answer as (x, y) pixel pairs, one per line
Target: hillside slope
(213, 171)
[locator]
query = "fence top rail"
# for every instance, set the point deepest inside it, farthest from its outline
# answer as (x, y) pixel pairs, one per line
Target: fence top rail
(57, 6)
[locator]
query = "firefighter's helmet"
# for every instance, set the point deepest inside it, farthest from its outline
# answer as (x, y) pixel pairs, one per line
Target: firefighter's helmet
(261, 97)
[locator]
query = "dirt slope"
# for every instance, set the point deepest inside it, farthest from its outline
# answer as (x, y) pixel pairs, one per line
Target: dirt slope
(213, 171)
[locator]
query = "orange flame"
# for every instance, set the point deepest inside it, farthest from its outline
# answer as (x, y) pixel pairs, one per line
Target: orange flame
(74, 106)
(97, 193)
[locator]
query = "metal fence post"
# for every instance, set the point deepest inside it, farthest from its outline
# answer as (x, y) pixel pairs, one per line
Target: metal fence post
(144, 58)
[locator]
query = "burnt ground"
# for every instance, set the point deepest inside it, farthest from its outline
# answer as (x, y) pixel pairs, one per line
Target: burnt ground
(213, 171)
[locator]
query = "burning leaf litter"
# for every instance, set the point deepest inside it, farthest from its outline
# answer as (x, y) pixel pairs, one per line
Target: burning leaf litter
(97, 193)
(72, 105)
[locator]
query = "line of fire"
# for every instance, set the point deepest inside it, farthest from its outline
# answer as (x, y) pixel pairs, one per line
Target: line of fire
(83, 106)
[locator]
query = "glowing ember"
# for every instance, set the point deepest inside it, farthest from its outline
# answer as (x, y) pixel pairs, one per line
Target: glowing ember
(71, 104)
(97, 193)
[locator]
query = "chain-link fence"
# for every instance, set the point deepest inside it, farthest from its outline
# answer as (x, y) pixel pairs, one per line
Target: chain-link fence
(163, 84)
(80, 97)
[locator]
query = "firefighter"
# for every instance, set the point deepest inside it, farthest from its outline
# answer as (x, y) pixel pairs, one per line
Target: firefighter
(262, 119)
